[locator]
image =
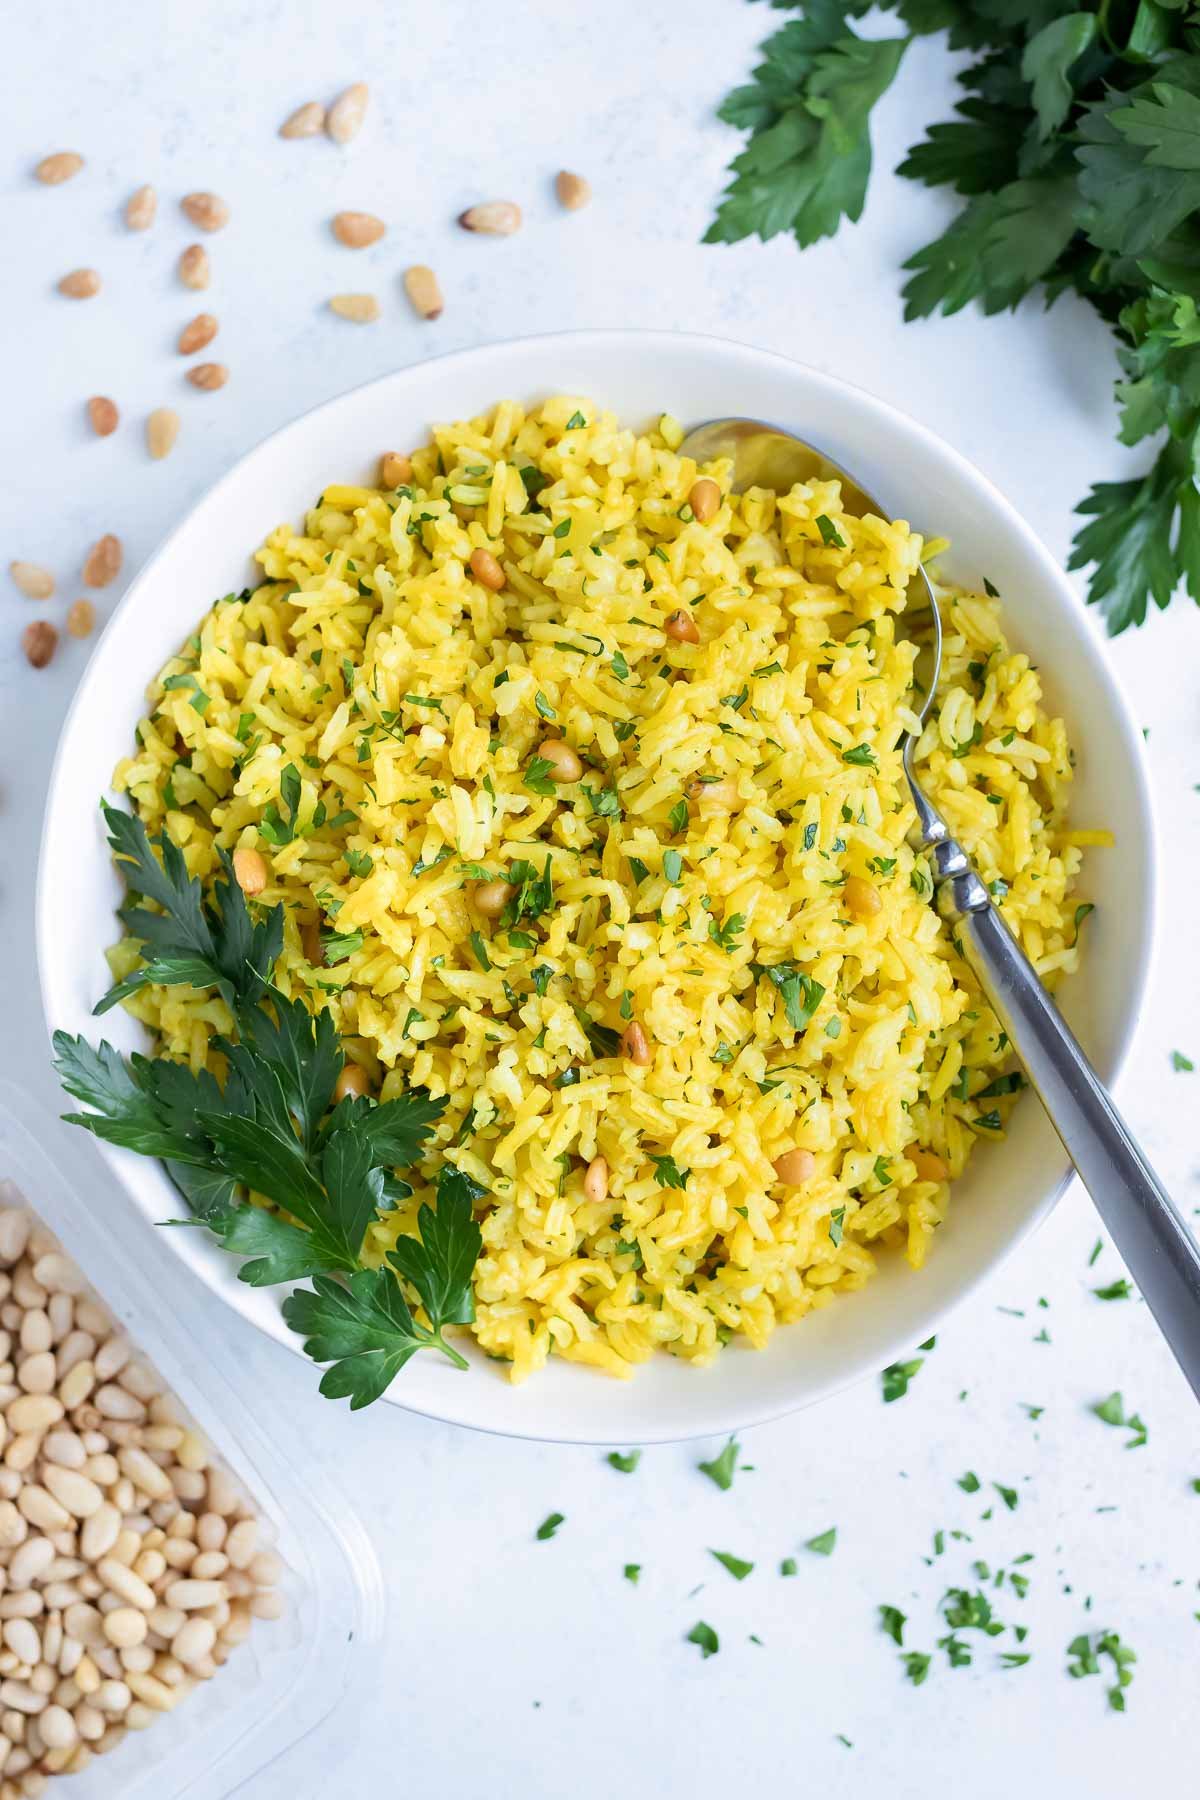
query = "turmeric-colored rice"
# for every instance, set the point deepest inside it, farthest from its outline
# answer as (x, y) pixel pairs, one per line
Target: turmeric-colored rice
(730, 789)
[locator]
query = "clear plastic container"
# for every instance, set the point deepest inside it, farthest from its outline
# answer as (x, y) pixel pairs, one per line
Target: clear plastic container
(294, 1673)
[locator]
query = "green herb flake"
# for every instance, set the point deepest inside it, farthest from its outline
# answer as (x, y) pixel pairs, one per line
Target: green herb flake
(737, 1567)
(624, 1461)
(549, 1526)
(705, 1637)
(722, 1468)
(824, 1542)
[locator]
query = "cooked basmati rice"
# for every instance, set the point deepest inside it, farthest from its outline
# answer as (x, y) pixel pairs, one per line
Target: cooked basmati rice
(730, 787)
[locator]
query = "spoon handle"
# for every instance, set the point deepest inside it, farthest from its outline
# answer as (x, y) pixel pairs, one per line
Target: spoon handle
(1159, 1250)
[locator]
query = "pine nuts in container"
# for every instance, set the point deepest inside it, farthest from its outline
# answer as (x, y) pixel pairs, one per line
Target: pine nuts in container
(135, 1561)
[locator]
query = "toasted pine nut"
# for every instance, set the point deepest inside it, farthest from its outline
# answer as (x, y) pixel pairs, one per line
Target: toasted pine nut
(421, 286)
(208, 377)
(595, 1180)
(55, 169)
(572, 190)
(103, 416)
(705, 499)
(356, 230)
(395, 470)
(194, 269)
(929, 1166)
(80, 284)
(491, 897)
(103, 561)
(81, 620)
(487, 570)
(197, 334)
(794, 1167)
(208, 211)
(162, 429)
(635, 1046)
(682, 627)
(140, 209)
(564, 764)
(363, 309)
(39, 642)
(863, 900)
(352, 1080)
(35, 583)
(250, 868)
(307, 121)
(344, 119)
(494, 218)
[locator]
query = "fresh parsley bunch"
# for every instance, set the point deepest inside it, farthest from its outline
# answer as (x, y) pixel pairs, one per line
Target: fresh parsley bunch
(272, 1127)
(1076, 150)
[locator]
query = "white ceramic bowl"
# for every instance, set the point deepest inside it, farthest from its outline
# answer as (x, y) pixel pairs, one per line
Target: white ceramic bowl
(1011, 1187)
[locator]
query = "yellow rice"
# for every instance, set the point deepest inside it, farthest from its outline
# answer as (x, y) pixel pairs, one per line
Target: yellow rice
(370, 605)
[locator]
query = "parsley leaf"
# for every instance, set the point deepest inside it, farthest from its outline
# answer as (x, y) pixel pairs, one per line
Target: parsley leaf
(705, 1637)
(626, 1462)
(897, 1376)
(823, 1543)
(738, 1568)
(722, 1468)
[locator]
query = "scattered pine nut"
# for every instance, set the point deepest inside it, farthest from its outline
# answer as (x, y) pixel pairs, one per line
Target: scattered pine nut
(39, 642)
(395, 470)
(564, 764)
(595, 1181)
(81, 620)
(682, 627)
(928, 1165)
(55, 169)
(103, 562)
(491, 897)
(140, 209)
(250, 867)
(635, 1046)
(162, 428)
(487, 570)
(572, 190)
(494, 218)
(421, 286)
(357, 229)
(344, 118)
(80, 284)
(862, 898)
(794, 1167)
(352, 1080)
(363, 309)
(307, 121)
(705, 499)
(194, 270)
(208, 377)
(102, 415)
(208, 211)
(197, 334)
(35, 582)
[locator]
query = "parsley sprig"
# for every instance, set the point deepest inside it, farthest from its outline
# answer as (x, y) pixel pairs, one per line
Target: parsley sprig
(271, 1128)
(1073, 151)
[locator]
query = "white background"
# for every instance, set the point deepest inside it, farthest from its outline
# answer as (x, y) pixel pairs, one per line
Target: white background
(508, 1665)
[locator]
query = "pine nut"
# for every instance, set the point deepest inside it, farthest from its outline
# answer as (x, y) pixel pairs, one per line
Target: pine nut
(112, 1697)
(21, 1697)
(162, 429)
(29, 1562)
(208, 376)
(193, 1640)
(39, 641)
(103, 562)
(715, 795)
(89, 1723)
(35, 1331)
(90, 1316)
(153, 1692)
(103, 416)
(122, 1582)
(491, 897)
(572, 190)
(34, 1412)
(307, 121)
(144, 1472)
(78, 1383)
(635, 1046)
(361, 309)
(345, 117)
(486, 570)
(863, 900)
(23, 1640)
(250, 869)
(197, 333)
(242, 1543)
(268, 1605)
(113, 1402)
(207, 211)
(140, 209)
(81, 619)
(222, 1495)
(64, 1448)
(928, 1165)
(57, 1729)
(125, 1627)
(357, 230)
(35, 583)
(194, 269)
(493, 218)
(81, 1497)
(190, 1596)
(682, 627)
(595, 1180)
(78, 1346)
(794, 1167)
(42, 1509)
(704, 499)
(352, 1080)
(112, 1356)
(59, 167)
(13, 1527)
(421, 286)
(564, 764)
(80, 284)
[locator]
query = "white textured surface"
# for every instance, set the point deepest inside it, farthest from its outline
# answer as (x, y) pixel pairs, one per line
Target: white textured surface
(484, 1621)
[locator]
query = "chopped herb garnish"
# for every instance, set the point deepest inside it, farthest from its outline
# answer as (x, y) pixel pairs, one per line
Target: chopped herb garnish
(723, 1467)
(668, 1175)
(626, 1462)
(705, 1637)
(1116, 1290)
(549, 1526)
(823, 1543)
(897, 1376)
(736, 1566)
(829, 532)
(893, 1622)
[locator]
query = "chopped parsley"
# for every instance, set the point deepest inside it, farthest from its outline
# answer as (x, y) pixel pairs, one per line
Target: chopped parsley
(668, 1174)
(830, 534)
(1116, 1290)
(893, 1622)
(823, 1543)
(549, 1526)
(705, 1637)
(897, 1376)
(722, 1468)
(1112, 1411)
(737, 1567)
(1182, 1064)
(626, 1462)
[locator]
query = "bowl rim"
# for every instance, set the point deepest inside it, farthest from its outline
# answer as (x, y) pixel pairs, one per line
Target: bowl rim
(1132, 748)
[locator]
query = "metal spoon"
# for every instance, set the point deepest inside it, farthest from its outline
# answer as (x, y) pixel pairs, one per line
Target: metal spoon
(1160, 1252)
